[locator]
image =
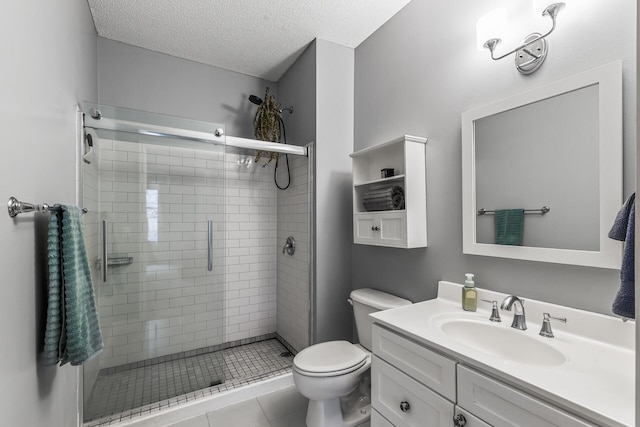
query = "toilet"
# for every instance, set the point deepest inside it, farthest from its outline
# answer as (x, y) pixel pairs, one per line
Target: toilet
(330, 373)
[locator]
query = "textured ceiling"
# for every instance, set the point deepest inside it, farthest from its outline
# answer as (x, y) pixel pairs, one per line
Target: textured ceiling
(261, 38)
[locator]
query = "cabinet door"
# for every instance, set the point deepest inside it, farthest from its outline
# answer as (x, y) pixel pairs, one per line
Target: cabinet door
(364, 229)
(503, 406)
(425, 366)
(393, 229)
(404, 401)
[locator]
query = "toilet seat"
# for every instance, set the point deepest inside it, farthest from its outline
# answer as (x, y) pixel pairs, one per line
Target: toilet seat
(330, 358)
(332, 373)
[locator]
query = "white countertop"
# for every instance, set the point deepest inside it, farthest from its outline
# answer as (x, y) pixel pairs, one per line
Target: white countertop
(597, 380)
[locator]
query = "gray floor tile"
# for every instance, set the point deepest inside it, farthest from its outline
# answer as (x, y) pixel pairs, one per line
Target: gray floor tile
(283, 402)
(200, 421)
(296, 419)
(245, 414)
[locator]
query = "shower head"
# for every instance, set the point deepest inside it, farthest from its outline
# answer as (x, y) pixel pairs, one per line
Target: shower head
(258, 101)
(255, 99)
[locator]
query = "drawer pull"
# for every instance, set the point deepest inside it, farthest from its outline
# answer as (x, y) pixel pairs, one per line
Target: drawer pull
(459, 421)
(404, 406)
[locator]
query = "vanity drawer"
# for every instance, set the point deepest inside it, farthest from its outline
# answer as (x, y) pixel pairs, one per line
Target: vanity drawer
(378, 420)
(469, 419)
(428, 367)
(503, 406)
(405, 402)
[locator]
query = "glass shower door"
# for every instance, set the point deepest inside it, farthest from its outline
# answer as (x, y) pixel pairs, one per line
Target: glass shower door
(156, 234)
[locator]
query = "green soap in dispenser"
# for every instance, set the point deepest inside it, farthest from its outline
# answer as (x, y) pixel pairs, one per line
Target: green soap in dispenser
(469, 294)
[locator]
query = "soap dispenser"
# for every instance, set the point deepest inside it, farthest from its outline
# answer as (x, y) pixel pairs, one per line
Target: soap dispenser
(469, 294)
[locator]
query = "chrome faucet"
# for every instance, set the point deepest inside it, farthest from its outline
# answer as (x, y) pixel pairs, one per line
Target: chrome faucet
(519, 320)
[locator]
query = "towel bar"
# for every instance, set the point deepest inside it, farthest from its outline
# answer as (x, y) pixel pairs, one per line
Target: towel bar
(543, 210)
(15, 207)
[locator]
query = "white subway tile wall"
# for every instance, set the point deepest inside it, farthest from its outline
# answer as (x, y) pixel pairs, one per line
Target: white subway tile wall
(294, 271)
(158, 200)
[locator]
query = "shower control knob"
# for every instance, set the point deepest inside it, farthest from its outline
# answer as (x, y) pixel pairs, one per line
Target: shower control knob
(375, 228)
(219, 132)
(459, 421)
(404, 406)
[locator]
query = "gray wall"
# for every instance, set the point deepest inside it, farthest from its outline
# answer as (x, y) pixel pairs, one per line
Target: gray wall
(49, 65)
(133, 77)
(297, 87)
(410, 81)
(333, 232)
(320, 86)
(637, 241)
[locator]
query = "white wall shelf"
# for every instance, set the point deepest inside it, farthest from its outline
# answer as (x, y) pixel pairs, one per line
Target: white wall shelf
(381, 180)
(406, 228)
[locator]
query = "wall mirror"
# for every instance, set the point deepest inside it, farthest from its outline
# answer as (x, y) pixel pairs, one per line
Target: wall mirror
(556, 153)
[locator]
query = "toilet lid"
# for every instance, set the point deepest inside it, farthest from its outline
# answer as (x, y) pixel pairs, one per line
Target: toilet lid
(329, 356)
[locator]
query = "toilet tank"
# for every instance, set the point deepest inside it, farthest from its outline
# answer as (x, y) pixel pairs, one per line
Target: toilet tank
(366, 301)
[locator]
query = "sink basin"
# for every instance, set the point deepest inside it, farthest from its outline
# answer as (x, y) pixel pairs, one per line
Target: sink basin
(502, 341)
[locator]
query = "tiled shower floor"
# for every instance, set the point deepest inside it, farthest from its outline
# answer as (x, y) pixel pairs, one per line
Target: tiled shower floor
(150, 388)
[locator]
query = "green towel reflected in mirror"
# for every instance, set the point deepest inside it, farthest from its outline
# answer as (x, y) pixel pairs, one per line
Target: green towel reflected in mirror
(509, 225)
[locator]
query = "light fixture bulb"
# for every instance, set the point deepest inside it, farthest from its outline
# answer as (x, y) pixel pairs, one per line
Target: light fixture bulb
(492, 25)
(552, 10)
(491, 44)
(541, 9)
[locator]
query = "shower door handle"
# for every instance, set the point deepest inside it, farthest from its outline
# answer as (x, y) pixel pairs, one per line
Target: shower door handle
(105, 260)
(210, 245)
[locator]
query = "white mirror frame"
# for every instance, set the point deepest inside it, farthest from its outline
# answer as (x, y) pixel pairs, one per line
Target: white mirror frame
(609, 80)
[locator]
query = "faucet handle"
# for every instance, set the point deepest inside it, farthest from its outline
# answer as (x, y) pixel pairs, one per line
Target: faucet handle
(495, 312)
(546, 331)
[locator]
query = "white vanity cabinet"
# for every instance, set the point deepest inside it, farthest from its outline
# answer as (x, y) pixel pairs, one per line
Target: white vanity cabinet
(503, 405)
(412, 385)
(402, 228)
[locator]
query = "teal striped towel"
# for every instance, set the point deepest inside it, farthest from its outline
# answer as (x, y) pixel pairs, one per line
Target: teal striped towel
(72, 333)
(509, 225)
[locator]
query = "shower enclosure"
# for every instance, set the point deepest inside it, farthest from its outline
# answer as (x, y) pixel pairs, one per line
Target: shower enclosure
(185, 232)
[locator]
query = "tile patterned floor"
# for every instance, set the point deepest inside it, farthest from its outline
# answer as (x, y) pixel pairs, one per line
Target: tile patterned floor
(122, 395)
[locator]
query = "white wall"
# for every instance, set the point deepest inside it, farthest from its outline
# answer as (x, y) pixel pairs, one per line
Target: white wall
(418, 73)
(49, 65)
(293, 292)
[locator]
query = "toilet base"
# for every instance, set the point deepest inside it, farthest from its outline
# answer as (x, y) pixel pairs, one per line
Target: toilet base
(328, 413)
(323, 413)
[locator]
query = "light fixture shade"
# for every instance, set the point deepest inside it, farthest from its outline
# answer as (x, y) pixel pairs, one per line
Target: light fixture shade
(492, 25)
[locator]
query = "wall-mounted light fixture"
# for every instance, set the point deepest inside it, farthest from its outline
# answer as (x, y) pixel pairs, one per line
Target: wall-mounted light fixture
(532, 52)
